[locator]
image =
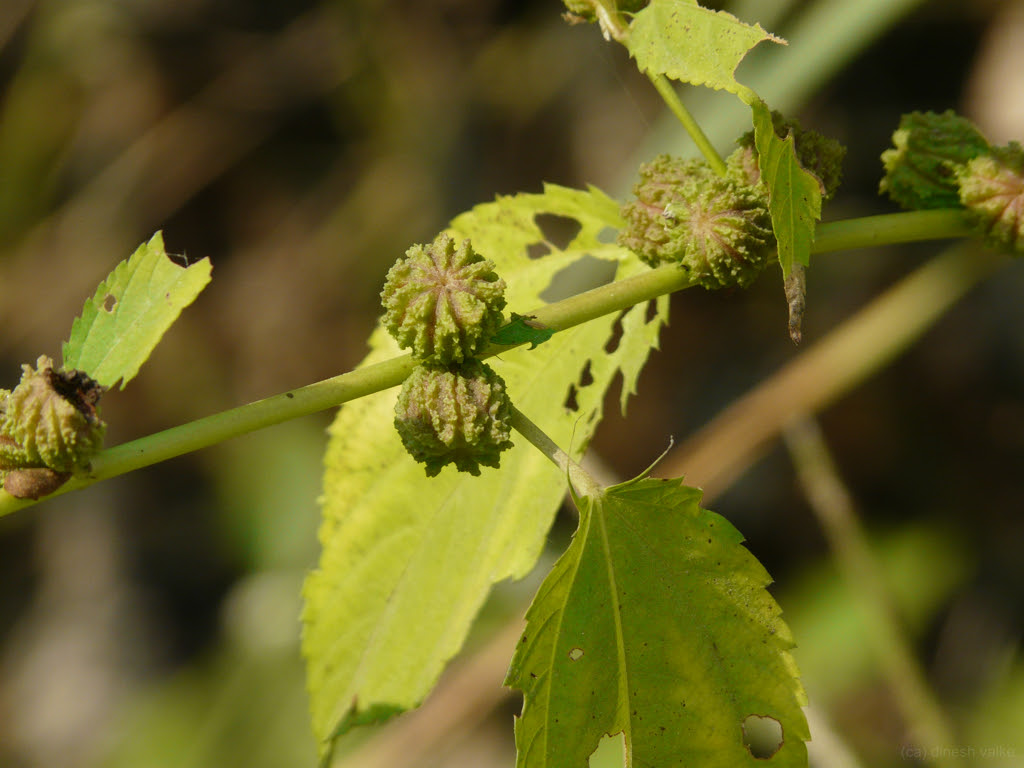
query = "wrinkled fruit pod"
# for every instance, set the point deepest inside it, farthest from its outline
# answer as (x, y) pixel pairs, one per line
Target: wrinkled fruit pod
(443, 302)
(921, 169)
(455, 416)
(51, 420)
(716, 227)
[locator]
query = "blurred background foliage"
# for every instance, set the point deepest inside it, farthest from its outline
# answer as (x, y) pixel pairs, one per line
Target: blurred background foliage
(153, 620)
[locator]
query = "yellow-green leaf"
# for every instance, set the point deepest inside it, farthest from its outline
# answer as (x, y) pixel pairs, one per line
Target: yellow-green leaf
(130, 311)
(522, 329)
(683, 41)
(408, 560)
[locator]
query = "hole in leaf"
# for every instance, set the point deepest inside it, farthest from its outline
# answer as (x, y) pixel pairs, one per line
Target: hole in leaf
(616, 336)
(570, 403)
(611, 750)
(109, 302)
(762, 736)
(652, 311)
(182, 259)
(559, 231)
(586, 377)
(575, 654)
(583, 274)
(608, 235)
(537, 250)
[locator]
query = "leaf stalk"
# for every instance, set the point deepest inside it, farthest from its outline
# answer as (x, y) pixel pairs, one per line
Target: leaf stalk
(579, 479)
(835, 510)
(672, 101)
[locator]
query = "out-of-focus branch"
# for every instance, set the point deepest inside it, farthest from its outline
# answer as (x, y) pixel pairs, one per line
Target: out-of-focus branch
(717, 454)
(834, 508)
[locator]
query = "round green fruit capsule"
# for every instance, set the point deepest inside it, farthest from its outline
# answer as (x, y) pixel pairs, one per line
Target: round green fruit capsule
(443, 301)
(51, 420)
(459, 415)
(716, 227)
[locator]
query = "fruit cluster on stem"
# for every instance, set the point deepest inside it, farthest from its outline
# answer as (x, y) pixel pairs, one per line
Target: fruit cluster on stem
(444, 302)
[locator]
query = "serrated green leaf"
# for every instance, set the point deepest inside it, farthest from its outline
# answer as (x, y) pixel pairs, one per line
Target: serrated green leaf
(794, 195)
(408, 560)
(683, 41)
(122, 323)
(655, 623)
(522, 329)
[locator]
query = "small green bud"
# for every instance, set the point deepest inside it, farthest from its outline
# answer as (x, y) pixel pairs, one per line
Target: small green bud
(717, 227)
(50, 420)
(443, 302)
(992, 191)
(459, 415)
(921, 171)
(817, 154)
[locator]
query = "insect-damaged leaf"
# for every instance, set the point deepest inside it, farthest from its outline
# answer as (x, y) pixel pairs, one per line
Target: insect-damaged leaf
(408, 560)
(683, 41)
(123, 322)
(655, 624)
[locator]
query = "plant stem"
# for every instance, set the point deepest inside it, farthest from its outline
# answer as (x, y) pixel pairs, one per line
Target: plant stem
(835, 511)
(582, 483)
(890, 228)
(671, 99)
(613, 297)
(332, 392)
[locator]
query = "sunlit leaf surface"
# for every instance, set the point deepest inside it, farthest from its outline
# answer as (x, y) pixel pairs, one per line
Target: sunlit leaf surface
(130, 311)
(683, 41)
(656, 624)
(408, 560)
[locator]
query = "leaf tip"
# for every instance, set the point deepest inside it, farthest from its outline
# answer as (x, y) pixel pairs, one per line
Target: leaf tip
(796, 300)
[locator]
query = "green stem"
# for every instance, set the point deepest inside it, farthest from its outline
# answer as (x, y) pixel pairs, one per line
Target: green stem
(891, 228)
(580, 480)
(613, 297)
(671, 99)
(835, 511)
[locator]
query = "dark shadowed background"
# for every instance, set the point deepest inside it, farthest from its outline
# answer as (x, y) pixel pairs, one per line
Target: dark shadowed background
(152, 620)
